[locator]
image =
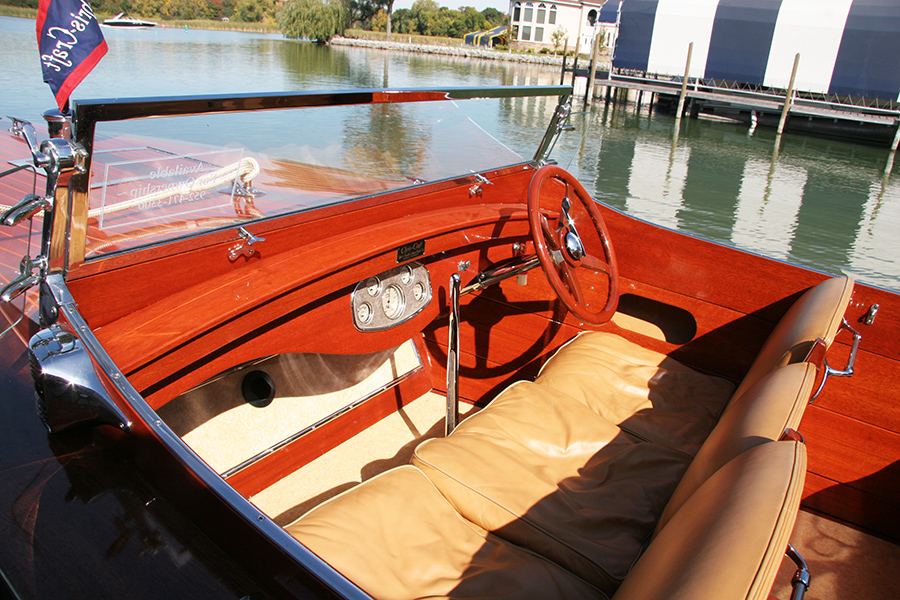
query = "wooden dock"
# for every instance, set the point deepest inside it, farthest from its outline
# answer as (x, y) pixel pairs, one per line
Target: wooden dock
(864, 123)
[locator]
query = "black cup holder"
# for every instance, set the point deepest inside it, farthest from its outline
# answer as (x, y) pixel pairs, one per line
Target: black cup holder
(258, 389)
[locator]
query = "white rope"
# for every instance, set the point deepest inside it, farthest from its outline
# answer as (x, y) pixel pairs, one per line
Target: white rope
(246, 169)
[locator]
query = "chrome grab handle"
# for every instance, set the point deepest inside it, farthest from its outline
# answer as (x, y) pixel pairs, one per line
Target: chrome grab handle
(851, 362)
(801, 579)
(452, 417)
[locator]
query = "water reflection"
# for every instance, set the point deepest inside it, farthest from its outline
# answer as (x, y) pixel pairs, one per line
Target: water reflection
(820, 203)
(823, 204)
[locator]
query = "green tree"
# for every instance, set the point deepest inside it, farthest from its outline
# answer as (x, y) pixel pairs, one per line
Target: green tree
(314, 20)
(494, 17)
(254, 11)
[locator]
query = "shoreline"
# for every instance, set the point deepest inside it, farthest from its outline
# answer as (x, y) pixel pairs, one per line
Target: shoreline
(415, 48)
(464, 51)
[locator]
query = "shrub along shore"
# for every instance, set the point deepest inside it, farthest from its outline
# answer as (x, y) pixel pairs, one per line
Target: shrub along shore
(401, 42)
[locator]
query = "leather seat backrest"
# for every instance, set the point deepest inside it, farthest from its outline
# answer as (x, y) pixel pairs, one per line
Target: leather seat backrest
(816, 314)
(774, 404)
(728, 539)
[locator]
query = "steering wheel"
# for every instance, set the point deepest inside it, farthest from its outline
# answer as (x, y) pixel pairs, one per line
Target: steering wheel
(562, 250)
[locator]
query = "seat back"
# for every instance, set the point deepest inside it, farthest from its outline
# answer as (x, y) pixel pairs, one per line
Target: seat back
(817, 314)
(775, 403)
(728, 539)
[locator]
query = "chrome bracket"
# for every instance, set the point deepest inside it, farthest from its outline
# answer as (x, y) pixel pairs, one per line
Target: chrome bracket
(851, 362)
(801, 579)
(869, 319)
(478, 187)
(244, 248)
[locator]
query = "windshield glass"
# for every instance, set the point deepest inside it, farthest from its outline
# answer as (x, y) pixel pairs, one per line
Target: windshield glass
(157, 179)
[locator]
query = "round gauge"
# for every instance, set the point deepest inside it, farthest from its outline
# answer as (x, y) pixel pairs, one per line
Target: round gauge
(406, 275)
(363, 312)
(373, 286)
(392, 302)
(419, 291)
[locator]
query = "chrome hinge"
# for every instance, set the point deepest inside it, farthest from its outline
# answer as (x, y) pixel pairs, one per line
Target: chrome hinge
(26, 279)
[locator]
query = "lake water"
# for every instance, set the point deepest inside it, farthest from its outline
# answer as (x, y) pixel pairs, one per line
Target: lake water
(821, 203)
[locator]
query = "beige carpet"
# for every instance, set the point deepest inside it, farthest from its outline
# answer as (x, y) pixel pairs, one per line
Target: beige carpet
(844, 563)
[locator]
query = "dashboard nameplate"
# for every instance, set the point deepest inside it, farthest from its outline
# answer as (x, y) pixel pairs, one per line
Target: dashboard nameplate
(410, 251)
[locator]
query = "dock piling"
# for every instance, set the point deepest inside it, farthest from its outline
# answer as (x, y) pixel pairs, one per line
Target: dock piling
(595, 51)
(684, 82)
(789, 96)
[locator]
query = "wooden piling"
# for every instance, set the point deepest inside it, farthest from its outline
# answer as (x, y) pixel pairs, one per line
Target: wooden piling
(589, 92)
(684, 82)
(788, 98)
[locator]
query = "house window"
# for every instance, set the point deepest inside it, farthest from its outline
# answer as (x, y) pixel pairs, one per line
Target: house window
(526, 33)
(552, 19)
(541, 13)
(517, 12)
(539, 34)
(529, 12)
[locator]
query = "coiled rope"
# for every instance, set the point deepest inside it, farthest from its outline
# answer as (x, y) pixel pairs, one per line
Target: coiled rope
(246, 169)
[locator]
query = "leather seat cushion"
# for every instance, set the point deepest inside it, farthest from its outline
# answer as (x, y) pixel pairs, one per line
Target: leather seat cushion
(395, 536)
(545, 472)
(774, 404)
(642, 391)
(727, 541)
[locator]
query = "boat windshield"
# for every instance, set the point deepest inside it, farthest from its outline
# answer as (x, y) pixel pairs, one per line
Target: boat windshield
(156, 179)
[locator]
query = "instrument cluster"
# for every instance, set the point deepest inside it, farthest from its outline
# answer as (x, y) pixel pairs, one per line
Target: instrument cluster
(390, 298)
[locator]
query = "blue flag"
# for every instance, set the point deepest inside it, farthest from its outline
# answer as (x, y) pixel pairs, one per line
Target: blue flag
(70, 43)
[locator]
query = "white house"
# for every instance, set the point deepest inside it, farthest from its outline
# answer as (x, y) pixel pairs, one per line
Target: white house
(534, 21)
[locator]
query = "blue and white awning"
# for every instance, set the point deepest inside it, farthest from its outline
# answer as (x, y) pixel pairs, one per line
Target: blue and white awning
(848, 47)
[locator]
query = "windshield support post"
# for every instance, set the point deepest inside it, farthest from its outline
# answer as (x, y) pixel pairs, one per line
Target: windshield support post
(558, 124)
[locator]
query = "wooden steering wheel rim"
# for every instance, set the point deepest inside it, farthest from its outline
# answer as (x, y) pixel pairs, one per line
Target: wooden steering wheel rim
(569, 293)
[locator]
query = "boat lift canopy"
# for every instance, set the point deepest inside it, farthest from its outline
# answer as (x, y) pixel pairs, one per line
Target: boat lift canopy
(846, 47)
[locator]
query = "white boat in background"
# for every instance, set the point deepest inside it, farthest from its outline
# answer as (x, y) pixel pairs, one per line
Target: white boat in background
(123, 20)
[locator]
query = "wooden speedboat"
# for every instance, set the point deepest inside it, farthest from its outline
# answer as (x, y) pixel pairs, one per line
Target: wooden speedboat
(123, 21)
(378, 353)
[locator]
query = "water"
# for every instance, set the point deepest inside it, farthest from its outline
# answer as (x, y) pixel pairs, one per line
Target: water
(820, 203)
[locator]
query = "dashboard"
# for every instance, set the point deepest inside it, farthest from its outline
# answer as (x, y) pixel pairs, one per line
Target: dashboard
(385, 300)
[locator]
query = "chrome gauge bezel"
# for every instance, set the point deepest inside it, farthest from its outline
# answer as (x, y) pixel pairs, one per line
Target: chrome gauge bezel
(400, 294)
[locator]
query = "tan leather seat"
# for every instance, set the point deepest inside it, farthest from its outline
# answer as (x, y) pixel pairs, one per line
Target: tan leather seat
(775, 403)
(545, 472)
(395, 536)
(659, 399)
(816, 314)
(727, 541)
(644, 392)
